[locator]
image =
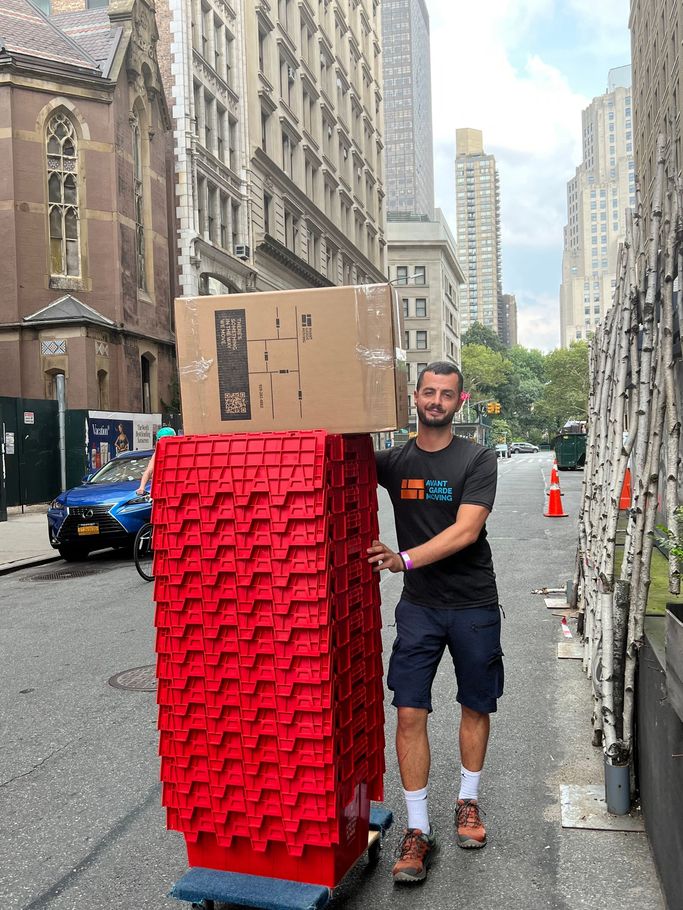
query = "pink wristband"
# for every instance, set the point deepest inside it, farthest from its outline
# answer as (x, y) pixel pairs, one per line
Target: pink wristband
(407, 561)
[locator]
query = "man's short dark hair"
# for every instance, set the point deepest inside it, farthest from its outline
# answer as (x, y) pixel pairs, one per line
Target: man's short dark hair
(441, 368)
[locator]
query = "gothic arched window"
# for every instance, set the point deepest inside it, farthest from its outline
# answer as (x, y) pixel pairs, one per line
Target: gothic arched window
(139, 201)
(62, 194)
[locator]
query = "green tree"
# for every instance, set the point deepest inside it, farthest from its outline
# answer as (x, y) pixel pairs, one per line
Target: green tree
(565, 396)
(485, 371)
(482, 334)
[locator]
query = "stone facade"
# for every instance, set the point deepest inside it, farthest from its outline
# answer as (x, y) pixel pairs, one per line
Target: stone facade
(83, 209)
(277, 119)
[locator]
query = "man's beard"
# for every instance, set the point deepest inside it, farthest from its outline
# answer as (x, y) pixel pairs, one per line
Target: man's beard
(435, 420)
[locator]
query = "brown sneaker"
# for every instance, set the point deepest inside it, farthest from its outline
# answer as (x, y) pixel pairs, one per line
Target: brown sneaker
(415, 853)
(471, 831)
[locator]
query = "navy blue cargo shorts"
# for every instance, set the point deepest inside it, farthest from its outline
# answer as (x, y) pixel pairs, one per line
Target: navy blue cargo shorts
(472, 636)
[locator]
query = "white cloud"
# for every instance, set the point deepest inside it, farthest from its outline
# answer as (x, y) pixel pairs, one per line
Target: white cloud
(538, 323)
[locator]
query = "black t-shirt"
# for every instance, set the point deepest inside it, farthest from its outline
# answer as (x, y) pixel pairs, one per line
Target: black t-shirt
(426, 490)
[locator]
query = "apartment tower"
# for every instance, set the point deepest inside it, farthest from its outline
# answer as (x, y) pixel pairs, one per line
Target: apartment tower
(479, 241)
(598, 195)
(408, 107)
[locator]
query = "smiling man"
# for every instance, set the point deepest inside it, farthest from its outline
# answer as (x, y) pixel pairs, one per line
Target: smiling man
(442, 488)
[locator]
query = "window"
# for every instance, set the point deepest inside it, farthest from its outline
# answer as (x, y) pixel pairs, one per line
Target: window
(139, 206)
(420, 275)
(287, 154)
(224, 221)
(220, 133)
(406, 340)
(262, 38)
(421, 340)
(235, 213)
(62, 186)
(406, 312)
(211, 213)
(264, 131)
(291, 231)
(267, 203)
(232, 143)
(421, 306)
(401, 274)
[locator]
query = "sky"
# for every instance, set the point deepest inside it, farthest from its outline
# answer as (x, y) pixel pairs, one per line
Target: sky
(522, 71)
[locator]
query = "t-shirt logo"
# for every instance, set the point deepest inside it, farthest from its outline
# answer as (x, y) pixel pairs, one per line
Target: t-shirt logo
(412, 489)
(433, 490)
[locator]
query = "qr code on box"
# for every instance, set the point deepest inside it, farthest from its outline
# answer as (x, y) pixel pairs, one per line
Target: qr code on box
(235, 403)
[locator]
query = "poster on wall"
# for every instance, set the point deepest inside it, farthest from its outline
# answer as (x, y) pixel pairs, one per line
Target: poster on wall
(110, 434)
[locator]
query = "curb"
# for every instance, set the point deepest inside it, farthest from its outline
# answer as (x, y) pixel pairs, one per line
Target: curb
(8, 567)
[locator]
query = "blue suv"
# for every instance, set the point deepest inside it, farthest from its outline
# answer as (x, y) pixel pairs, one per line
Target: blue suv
(104, 511)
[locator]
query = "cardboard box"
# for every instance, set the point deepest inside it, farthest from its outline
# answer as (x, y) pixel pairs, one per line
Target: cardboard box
(326, 359)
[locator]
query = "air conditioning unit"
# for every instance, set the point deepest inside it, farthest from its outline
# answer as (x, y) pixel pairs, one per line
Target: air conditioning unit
(242, 251)
(291, 73)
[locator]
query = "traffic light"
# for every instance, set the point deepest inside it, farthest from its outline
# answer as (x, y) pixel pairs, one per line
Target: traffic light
(497, 411)
(491, 407)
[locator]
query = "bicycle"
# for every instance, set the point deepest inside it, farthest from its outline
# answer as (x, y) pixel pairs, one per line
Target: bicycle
(143, 552)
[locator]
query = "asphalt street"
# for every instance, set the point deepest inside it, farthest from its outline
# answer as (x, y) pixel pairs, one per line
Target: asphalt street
(79, 798)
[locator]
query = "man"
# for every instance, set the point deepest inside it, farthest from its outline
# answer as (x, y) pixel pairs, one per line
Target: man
(442, 489)
(149, 470)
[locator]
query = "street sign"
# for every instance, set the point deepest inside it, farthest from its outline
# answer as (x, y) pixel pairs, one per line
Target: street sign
(29, 417)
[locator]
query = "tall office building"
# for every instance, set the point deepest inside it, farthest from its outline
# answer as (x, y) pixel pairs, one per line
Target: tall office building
(278, 145)
(479, 242)
(408, 107)
(597, 197)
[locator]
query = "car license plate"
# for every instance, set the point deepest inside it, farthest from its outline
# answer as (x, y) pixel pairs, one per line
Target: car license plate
(84, 530)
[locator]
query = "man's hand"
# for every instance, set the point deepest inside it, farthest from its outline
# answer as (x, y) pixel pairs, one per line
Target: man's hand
(140, 491)
(382, 557)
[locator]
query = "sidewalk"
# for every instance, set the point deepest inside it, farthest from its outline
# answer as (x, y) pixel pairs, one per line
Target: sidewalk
(24, 540)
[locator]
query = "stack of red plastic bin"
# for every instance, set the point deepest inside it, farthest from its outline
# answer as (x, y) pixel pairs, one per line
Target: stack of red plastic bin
(269, 650)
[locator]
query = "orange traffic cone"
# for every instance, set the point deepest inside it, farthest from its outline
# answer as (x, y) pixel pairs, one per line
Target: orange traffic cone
(555, 503)
(625, 498)
(554, 476)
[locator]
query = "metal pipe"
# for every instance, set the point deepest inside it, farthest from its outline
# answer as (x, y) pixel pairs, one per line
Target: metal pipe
(60, 383)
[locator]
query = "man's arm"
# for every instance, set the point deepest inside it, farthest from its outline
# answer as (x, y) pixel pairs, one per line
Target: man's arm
(149, 470)
(462, 533)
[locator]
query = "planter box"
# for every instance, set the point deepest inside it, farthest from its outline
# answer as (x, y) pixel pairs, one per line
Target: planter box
(674, 656)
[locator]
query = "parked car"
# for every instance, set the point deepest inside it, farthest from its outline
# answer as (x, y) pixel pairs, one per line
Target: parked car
(525, 447)
(103, 511)
(502, 450)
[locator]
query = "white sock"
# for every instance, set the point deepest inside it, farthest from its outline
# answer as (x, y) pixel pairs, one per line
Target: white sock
(469, 783)
(418, 814)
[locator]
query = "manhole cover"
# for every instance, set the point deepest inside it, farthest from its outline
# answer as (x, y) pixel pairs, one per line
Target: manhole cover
(63, 575)
(139, 679)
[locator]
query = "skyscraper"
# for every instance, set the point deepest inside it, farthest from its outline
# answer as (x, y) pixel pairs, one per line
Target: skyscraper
(597, 197)
(507, 323)
(479, 244)
(408, 108)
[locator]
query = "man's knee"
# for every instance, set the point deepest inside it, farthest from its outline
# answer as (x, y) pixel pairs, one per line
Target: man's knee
(469, 715)
(412, 721)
